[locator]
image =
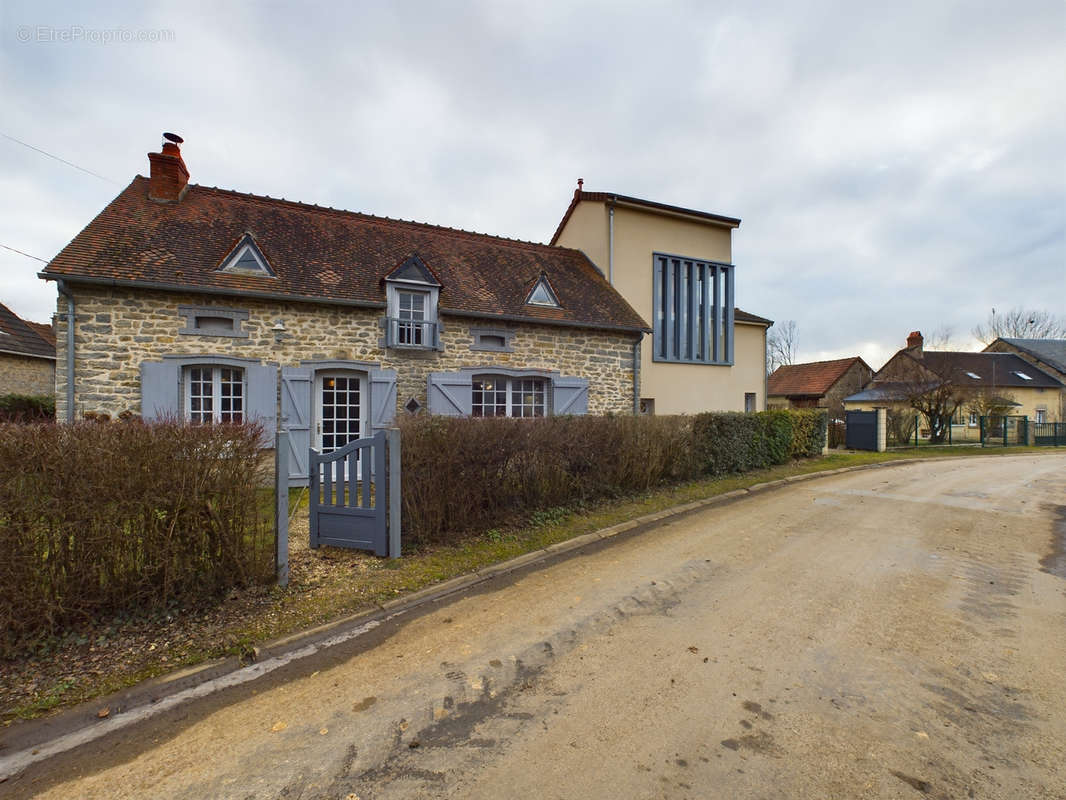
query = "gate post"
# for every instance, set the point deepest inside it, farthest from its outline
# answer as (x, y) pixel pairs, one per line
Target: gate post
(882, 430)
(394, 481)
(281, 507)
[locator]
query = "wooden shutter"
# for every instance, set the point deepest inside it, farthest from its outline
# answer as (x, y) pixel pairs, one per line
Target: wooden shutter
(261, 381)
(450, 394)
(160, 390)
(570, 395)
(382, 399)
(296, 398)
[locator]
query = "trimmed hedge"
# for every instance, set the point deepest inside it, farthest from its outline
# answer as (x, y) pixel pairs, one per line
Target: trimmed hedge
(27, 408)
(461, 476)
(125, 517)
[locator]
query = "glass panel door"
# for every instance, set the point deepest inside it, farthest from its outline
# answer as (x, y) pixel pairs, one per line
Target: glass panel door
(341, 404)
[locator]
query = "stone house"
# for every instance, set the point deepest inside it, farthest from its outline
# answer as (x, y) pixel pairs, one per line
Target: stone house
(27, 356)
(214, 305)
(674, 265)
(1048, 355)
(817, 384)
(1002, 379)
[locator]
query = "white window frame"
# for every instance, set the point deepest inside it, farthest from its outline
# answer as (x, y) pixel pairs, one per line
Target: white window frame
(1041, 415)
(513, 390)
(408, 333)
(417, 333)
(216, 396)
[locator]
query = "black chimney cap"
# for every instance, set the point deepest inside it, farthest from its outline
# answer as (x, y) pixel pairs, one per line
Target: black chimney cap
(173, 137)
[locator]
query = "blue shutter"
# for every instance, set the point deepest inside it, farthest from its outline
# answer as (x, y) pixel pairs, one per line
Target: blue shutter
(382, 399)
(570, 395)
(262, 403)
(296, 394)
(450, 394)
(160, 390)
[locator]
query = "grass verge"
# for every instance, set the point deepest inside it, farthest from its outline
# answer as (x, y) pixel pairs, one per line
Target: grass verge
(330, 583)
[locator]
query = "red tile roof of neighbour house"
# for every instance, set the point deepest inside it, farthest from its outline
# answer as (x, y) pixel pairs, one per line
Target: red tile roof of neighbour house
(326, 255)
(24, 338)
(648, 205)
(813, 379)
(45, 331)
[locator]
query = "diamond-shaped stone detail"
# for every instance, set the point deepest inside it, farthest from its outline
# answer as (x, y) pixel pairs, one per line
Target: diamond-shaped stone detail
(412, 405)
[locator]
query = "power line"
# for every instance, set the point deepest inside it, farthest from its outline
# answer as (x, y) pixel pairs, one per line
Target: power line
(57, 158)
(13, 250)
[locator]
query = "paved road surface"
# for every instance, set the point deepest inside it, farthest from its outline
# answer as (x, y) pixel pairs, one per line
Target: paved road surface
(890, 633)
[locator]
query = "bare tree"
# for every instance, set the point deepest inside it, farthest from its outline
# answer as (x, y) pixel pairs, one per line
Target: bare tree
(781, 345)
(938, 401)
(1021, 323)
(942, 338)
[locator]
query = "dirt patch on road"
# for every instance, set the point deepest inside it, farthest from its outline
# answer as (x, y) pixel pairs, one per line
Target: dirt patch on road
(1055, 561)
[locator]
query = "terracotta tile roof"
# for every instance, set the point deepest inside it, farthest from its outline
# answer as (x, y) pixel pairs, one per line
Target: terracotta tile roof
(23, 338)
(649, 205)
(813, 379)
(328, 255)
(45, 331)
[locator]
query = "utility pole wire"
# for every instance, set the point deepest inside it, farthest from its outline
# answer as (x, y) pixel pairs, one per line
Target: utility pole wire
(13, 250)
(57, 158)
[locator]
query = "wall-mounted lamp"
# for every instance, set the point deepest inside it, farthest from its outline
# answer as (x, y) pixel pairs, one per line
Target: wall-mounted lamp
(279, 331)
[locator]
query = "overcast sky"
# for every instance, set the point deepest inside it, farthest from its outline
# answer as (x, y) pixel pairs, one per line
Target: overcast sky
(897, 166)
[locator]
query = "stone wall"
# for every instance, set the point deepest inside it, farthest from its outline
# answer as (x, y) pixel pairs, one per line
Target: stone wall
(117, 329)
(26, 375)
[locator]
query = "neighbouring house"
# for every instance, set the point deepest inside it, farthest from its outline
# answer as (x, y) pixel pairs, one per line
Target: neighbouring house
(674, 266)
(215, 305)
(1049, 355)
(995, 383)
(27, 356)
(817, 384)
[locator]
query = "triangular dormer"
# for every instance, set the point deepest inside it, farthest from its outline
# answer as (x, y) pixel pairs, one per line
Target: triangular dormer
(246, 259)
(414, 270)
(543, 294)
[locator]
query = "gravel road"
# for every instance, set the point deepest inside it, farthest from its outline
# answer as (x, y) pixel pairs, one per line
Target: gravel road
(887, 633)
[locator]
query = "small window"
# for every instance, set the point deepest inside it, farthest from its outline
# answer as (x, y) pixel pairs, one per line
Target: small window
(493, 339)
(542, 294)
(509, 397)
(973, 419)
(647, 406)
(1041, 415)
(411, 314)
(749, 402)
(211, 321)
(246, 259)
(1022, 375)
(214, 394)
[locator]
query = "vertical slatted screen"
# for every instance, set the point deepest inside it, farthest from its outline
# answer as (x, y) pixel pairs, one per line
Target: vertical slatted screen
(693, 310)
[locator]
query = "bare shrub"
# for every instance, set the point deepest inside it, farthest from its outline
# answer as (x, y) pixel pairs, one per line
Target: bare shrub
(97, 518)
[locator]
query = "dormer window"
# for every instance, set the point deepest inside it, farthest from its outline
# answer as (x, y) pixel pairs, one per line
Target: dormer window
(542, 294)
(247, 259)
(1022, 375)
(411, 292)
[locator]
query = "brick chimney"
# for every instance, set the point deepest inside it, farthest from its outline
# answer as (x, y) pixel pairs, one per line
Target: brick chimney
(169, 177)
(915, 340)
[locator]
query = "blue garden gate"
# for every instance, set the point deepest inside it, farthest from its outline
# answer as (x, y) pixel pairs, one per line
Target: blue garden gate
(354, 498)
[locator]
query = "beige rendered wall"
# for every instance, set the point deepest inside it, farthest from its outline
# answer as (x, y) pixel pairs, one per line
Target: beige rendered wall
(676, 388)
